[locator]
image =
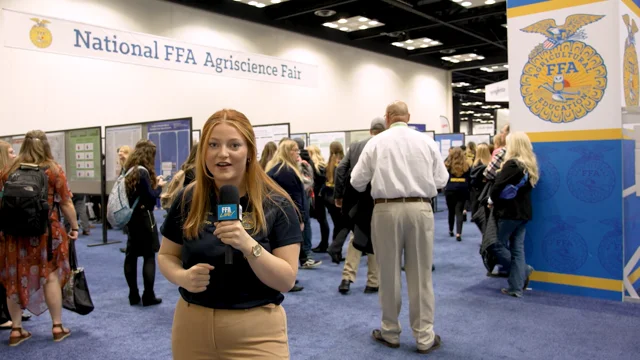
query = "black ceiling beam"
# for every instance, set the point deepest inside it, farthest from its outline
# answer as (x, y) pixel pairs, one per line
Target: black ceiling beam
(439, 49)
(475, 78)
(425, 27)
(316, 7)
(436, 20)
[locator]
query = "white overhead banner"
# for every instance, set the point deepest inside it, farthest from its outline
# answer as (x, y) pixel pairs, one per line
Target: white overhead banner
(48, 34)
(497, 92)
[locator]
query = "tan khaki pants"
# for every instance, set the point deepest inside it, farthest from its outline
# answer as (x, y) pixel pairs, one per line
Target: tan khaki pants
(201, 333)
(352, 262)
(408, 228)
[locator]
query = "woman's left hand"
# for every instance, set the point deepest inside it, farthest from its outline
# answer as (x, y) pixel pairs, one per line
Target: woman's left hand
(233, 233)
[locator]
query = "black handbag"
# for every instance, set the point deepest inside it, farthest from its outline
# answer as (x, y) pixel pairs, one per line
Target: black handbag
(75, 294)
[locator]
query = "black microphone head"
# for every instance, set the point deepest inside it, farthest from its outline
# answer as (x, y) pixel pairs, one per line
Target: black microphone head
(229, 194)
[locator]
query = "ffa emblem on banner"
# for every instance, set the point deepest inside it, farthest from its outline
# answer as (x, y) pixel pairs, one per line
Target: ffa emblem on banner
(630, 63)
(565, 78)
(40, 36)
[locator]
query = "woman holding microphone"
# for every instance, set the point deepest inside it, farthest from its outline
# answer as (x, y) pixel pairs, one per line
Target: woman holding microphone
(230, 311)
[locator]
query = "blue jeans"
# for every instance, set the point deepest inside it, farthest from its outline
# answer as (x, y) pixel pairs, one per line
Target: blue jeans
(511, 234)
(306, 233)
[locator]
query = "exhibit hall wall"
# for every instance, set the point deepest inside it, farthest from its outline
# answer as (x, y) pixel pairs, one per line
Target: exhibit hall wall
(54, 91)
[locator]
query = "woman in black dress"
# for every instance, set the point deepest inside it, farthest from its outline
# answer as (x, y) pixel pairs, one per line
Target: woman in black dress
(143, 189)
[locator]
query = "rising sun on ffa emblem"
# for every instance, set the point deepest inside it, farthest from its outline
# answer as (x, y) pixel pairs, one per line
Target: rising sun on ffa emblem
(565, 78)
(40, 36)
(630, 63)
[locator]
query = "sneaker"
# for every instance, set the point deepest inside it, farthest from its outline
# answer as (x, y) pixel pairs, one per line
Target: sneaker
(311, 264)
(507, 292)
(528, 278)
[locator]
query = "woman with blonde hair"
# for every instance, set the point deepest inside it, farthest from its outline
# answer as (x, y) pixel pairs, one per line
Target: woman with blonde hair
(32, 272)
(283, 169)
(457, 189)
(6, 159)
(230, 311)
(267, 153)
(498, 143)
(123, 154)
(470, 152)
(319, 207)
(511, 198)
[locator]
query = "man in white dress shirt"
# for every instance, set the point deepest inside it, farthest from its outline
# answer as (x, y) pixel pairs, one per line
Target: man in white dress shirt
(405, 170)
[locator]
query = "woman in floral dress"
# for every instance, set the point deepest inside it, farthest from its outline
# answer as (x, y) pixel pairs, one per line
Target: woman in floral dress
(31, 281)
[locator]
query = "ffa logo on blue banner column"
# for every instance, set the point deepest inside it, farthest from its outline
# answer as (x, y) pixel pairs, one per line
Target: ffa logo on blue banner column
(630, 63)
(564, 78)
(227, 212)
(40, 36)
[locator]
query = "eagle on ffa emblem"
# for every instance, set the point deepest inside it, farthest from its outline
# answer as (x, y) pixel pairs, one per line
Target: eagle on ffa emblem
(40, 36)
(564, 78)
(630, 63)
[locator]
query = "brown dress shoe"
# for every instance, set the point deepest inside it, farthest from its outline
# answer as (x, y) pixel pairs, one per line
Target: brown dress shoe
(436, 344)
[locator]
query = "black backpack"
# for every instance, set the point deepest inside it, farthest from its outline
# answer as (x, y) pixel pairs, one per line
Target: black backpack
(25, 207)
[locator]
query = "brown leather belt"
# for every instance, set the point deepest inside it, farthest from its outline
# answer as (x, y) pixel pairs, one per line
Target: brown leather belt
(403, 200)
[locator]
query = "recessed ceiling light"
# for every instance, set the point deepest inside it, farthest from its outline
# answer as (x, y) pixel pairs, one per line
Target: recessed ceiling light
(460, 84)
(399, 44)
(466, 4)
(490, 2)
(409, 41)
(457, 1)
(260, 5)
(410, 48)
(424, 46)
(354, 23)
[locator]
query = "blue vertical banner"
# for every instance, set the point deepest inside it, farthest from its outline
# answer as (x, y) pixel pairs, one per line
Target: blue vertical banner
(173, 141)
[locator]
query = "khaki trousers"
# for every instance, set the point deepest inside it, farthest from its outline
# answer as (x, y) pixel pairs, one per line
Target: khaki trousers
(352, 262)
(201, 333)
(408, 228)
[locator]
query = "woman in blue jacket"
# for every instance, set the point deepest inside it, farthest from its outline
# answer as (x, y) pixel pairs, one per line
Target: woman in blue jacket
(457, 189)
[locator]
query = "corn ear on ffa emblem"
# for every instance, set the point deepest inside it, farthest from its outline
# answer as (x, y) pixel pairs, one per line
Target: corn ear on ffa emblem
(630, 63)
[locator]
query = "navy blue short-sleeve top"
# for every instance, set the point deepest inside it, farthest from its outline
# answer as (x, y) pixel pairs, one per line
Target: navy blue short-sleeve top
(232, 286)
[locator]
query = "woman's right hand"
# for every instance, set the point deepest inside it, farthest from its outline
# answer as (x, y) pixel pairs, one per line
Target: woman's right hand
(196, 279)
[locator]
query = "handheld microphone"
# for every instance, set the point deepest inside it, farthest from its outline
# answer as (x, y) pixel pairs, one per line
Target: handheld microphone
(229, 209)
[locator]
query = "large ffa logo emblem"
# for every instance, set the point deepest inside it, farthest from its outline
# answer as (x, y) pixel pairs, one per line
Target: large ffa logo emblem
(565, 78)
(630, 64)
(40, 36)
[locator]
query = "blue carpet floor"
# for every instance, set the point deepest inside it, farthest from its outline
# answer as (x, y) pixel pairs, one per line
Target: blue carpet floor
(473, 318)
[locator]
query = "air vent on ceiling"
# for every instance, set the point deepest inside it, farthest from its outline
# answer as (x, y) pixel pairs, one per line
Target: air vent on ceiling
(325, 13)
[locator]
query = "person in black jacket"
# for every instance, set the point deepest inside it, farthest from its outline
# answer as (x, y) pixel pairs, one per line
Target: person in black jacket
(283, 169)
(359, 208)
(519, 174)
(478, 181)
(457, 189)
(319, 207)
(142, 236)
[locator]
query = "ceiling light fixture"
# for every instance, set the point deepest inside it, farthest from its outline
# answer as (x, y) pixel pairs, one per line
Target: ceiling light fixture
(462, 57)
(495, 68)
(476, 3)
(354, 23)
(323, 12)
(460, 84)
(263, 3)
(420, 43)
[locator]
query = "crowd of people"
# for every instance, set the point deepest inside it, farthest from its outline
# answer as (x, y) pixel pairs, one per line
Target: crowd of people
(378, 195)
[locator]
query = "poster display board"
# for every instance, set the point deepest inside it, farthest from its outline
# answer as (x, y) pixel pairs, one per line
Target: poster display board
(195, 136)
(116, 137)
(56, 142)
(478, 139)
(431, 134)
(323, 140)
(271, 132)
(172, 138)
(302, 136)
(355, 136)
(173, 141)
(16, 143)
(447, 141)
(83, 150)
(418, 127)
